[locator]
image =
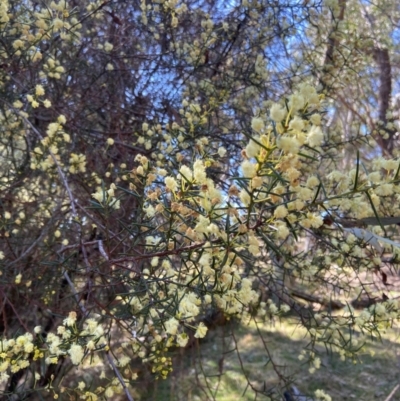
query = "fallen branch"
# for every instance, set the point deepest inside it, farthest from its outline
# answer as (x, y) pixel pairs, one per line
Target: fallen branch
(389, 397)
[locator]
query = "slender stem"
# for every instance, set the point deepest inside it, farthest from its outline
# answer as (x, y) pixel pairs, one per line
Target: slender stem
(119, 376)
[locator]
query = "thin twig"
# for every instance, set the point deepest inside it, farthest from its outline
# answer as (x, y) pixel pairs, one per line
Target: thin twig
(102, 250)
(43, 233)
(119, 376)
(72, 202)
(75, 292)
(389, 397)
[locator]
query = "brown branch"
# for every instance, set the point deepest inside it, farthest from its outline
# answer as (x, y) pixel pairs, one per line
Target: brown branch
(314, 299)
(178, 251)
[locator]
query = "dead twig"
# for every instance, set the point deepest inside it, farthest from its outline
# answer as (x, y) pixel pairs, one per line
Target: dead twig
(119, 376)
(389, 397)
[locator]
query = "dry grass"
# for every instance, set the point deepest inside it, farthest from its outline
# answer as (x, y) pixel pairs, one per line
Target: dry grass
(217, 368)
